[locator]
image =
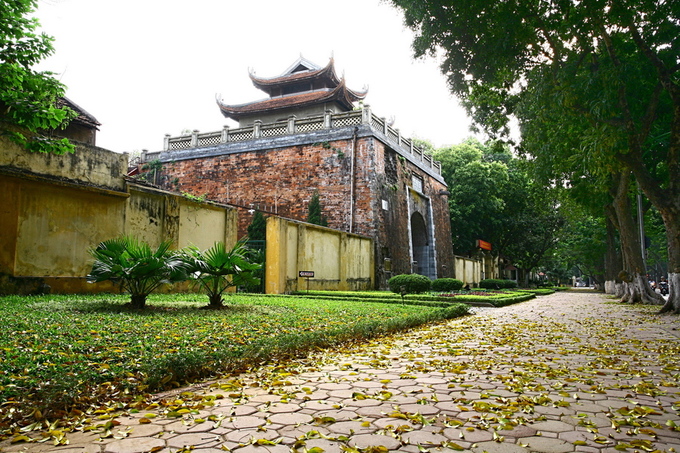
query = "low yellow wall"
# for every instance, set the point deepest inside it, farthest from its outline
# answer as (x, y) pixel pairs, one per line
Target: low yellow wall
(340, 261)
(468, 270)
(49, 222)
(471, 271)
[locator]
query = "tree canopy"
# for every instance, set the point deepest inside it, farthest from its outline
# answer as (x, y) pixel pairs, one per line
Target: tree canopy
(494, 198)
(28, 98)
(603, 73)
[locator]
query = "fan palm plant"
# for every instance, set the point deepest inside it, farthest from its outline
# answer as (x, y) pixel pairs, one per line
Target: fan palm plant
(217, 269)
(136, 267)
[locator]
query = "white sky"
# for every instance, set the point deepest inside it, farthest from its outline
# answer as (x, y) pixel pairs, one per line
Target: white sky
(145, 68)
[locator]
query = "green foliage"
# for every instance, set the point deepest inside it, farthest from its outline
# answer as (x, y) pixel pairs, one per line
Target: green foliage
(315, 214)
(494, 197)
(28, 99)
(64, 352)
(197, 198)
(446, 284)
(216, 269)
(137, 268)
(409, 284)
(257, 229)
(594, 86)
(492, 283)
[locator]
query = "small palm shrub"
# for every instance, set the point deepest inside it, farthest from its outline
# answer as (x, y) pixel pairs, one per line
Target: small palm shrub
(216, 269)
(137, 268)
(409, 284)
(446, 284)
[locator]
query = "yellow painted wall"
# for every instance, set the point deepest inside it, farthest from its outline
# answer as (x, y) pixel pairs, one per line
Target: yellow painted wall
(340, 261)
(468, 270)
(48, 222)
(203, 224)
(57, 227)
(88, 165)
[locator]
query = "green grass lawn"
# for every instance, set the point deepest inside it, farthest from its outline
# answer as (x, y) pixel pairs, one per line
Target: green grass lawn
(61, 355)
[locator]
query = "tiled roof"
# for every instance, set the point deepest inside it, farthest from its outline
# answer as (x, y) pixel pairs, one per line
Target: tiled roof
(341, 94)
(327, 73)
(83, 116)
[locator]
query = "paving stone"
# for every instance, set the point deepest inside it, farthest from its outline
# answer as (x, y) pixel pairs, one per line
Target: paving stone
(552, 426)
(343, 394)
(245, 435)
(548, 445)
(423, 438)
(334, 386)
(180, 427)
(327, 446)
(363, 403)
(520, 431)
(278, 408)
(374, 440)
(291, 418)
(194, 439)
(474, 436)
(263, 449)
(148, 430)
(497, 447)
(352, 427)
(303, 431)
(134, 445)
(246, 422)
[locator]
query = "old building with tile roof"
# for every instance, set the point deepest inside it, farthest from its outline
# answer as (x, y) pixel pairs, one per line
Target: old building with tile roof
(310, 136)
(303, 89)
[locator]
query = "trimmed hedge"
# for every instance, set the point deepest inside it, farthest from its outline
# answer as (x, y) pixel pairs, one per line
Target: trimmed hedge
(446, 284)
(493, 283)
(409, 284)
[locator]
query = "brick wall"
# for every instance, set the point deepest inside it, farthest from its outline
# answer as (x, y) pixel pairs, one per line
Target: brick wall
(283, 180)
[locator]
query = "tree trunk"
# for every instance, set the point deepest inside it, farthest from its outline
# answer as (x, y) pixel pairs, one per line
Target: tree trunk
(138, 301)
(216, 301)
(637, 287)
(673, 238)
(612, 260)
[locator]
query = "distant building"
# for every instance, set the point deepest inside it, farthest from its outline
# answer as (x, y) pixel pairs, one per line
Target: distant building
(308, 136)
(83, 128)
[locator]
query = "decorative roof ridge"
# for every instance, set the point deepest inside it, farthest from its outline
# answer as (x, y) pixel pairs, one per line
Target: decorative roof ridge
(340, 93)
(328, 70)
(301, 61)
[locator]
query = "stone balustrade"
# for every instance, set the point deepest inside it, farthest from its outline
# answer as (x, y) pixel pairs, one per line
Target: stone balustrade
(293, 125)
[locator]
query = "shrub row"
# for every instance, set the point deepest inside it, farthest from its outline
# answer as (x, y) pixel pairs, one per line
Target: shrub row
(493, 283)
(415, 284)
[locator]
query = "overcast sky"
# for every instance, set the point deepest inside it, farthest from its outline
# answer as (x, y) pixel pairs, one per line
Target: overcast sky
(145, 68)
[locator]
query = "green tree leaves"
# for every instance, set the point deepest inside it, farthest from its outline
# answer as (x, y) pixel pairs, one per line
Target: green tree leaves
(28, 98)
(315, 214)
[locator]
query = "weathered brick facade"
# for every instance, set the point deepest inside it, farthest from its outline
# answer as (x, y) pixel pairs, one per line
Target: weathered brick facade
(365, 187)
(370, 180)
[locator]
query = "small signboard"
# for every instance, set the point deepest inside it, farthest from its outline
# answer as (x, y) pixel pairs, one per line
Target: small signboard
(306, 274)
(483, 244)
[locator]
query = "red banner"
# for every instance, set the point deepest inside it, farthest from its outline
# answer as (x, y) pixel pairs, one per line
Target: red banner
(483, 244)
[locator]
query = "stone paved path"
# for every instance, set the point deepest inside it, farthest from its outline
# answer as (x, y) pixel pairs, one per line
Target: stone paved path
(561, 373)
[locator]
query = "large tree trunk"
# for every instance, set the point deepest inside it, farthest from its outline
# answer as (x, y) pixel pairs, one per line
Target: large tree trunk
(634, 276)
(612, 260)
(673, 237)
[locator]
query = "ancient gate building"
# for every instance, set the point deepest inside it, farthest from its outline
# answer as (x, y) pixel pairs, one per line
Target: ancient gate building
(308, 136)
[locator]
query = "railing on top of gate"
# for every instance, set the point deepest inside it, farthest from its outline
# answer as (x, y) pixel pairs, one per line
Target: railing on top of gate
(293, 125)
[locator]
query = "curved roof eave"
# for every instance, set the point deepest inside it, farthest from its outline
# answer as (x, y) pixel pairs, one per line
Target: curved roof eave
(340, 94)
(328, 71)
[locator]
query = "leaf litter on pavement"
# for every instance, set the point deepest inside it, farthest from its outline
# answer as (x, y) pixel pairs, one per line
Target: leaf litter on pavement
(614, 378)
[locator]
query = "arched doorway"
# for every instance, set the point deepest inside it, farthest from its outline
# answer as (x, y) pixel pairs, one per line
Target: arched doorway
(423, 250)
